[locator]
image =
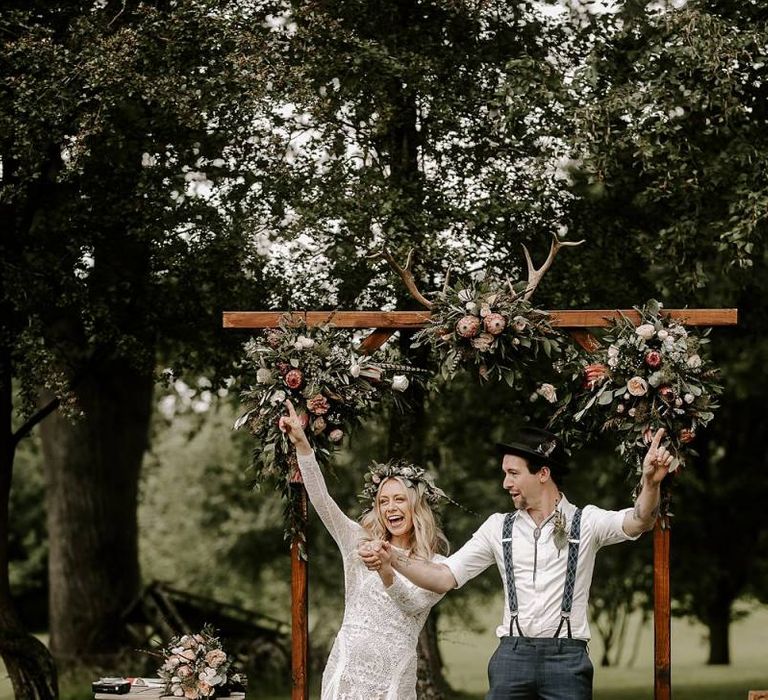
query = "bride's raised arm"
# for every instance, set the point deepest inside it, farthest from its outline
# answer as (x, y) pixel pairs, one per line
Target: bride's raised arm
(345, 531)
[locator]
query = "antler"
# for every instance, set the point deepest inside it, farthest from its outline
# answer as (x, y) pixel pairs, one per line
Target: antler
(534, 275)
(405, 274)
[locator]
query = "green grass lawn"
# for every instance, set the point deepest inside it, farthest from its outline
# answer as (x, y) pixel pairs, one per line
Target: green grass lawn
(466, 656)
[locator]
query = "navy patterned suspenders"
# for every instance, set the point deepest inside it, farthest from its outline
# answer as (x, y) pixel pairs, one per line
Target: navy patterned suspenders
(509, 568)
(570, 573)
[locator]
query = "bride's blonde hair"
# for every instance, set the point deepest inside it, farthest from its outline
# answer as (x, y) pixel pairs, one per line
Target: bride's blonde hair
(426, 537)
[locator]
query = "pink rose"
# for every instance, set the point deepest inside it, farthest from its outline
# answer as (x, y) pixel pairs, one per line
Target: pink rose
(483, 342)
(215, 658)
(637, 386)
(686, 435)
(318, 404)
(336, 435)
(283, 368)
(274, 338)
(667, 393)
(294, 378)
(468, 326)
(494, 323)
(653, 359)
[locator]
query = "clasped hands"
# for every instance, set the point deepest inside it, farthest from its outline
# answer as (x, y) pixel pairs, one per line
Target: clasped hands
(376, 555)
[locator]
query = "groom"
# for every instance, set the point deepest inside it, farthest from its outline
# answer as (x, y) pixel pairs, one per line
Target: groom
(545, 552)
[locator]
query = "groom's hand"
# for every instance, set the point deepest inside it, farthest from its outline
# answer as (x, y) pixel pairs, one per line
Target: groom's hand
(374, 553)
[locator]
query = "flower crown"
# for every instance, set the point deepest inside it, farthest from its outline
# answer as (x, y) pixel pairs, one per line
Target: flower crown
(409, 473)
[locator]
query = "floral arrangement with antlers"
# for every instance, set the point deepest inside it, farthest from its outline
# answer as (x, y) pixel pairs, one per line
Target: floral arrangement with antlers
(645, 377)
(332, 386)
(487, 324)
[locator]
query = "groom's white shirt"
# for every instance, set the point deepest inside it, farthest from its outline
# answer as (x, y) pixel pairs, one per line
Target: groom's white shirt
(540, 589)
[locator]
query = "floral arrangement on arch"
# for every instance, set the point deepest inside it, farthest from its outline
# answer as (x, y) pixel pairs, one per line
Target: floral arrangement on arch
(646, 377)
(490, 326)
(331, 385)
(196, 666)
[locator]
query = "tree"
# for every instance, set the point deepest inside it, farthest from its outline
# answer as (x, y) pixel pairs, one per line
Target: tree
(668, 150)
(122, 168)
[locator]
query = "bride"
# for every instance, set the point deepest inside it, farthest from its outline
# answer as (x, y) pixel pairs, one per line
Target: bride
(374, 654)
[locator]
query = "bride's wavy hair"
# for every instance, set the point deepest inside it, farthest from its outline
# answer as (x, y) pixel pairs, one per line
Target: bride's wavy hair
(426, 537)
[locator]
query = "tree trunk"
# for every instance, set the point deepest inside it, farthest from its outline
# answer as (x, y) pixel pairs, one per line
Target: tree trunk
(27, 661)
(718, 623)
(431, 684)
(407, 438)
(92, 468)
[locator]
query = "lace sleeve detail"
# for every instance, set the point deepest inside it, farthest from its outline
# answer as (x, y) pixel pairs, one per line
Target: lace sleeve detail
(409, 597)
(344, 530)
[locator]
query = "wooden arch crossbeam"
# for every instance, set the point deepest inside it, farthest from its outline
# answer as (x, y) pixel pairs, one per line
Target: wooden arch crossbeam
(384, 324)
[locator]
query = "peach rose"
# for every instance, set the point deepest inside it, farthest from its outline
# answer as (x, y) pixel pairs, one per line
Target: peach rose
(318, 405)
(637, 386)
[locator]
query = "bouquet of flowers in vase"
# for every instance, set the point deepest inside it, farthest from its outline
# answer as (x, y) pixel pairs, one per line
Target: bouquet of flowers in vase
(650, 376)
(195, 666)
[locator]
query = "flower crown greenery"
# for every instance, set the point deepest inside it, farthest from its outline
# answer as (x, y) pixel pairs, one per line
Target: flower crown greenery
(409, 473)
(654, 375)
(488, 324)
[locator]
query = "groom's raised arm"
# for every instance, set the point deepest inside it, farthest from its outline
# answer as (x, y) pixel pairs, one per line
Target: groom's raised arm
(425, 574)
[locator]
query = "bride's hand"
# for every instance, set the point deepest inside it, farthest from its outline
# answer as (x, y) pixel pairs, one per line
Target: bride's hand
(376, 554)
(292, 426)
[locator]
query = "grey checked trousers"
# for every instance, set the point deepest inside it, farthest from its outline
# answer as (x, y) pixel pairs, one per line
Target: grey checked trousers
(524, 668)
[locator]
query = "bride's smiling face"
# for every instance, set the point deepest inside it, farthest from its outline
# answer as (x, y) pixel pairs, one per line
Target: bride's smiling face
(395, 508)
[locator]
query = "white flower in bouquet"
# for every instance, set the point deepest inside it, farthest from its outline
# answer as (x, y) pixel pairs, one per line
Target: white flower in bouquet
(304, 343)
(465, 295)
(548, 392)
(400, 382)
(471, 307)
(519, 323)
(277, 397)
(264, 375)
(694, 361)
(663, 334)
(646, 331)
(689, 398)
(354, 370)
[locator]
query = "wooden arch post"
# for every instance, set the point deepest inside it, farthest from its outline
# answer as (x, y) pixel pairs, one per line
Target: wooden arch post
(384, 325)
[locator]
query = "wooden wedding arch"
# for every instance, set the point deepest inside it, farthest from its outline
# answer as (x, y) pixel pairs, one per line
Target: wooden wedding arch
(384, 325)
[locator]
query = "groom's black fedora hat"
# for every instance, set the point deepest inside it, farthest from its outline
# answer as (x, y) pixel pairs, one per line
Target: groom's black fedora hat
(539, 446)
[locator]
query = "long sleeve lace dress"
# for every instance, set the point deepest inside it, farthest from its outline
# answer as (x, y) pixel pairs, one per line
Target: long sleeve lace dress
(374, 654)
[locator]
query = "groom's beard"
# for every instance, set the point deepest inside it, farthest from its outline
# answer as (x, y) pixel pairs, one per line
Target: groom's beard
(521, 503)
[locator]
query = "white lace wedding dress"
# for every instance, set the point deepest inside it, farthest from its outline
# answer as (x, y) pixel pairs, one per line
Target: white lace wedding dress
(374, 654)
